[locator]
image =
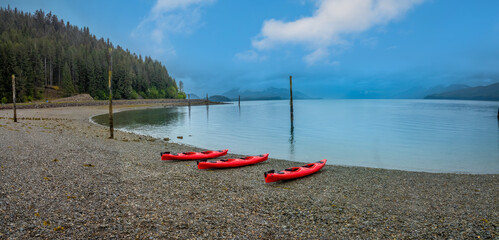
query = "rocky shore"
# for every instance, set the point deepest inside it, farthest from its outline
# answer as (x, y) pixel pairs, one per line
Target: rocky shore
(56, 104)
(62, 177)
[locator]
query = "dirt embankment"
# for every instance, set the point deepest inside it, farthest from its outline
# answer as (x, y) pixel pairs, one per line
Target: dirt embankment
(75, 98)
(83, 100)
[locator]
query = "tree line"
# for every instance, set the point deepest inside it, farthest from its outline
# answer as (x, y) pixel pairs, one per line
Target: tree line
(44, 52)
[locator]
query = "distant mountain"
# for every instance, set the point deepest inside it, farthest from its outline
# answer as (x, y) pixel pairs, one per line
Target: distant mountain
(219, 98)
(271, 93)
(411, 93)
(194, 96)
(232, 94)
(421, 92)
(490, 93)
(441, 89)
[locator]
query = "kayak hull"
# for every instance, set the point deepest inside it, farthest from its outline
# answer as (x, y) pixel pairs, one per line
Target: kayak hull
(193, 155)
(294, 172)
(232, 162)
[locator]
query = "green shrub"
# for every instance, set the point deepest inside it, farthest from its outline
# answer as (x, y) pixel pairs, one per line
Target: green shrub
(162, 94)
(153, 93)
(100, 95)
(4, 100)
(171, 92)
(181, 95)
(134, 94)
(38, 94)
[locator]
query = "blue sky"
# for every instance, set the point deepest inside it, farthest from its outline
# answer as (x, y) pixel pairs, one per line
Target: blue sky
(333, 48)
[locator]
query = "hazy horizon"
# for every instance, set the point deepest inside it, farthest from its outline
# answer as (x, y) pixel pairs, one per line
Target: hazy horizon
(332, 48)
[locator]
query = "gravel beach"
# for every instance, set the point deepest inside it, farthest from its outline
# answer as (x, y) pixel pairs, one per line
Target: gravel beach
(62, 177)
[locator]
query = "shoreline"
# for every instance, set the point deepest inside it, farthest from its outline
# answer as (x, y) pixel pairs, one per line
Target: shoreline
(248, 153)
(119, 102)
(102, 188)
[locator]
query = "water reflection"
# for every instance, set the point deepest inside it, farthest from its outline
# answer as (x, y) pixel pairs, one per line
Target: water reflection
(292, 136)
(239, 110)
(207, 112)
(151, 117)
(292, 140)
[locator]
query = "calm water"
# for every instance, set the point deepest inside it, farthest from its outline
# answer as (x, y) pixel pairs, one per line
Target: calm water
(418, 135)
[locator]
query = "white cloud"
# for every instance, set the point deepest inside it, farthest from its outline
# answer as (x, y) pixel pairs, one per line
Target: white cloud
(250, 56)
(318, 54)
(334, 63)
(331, 22)
(163, 6)
(170, 17)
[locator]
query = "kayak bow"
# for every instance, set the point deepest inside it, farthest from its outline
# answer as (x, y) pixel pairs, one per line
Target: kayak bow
(294, 172)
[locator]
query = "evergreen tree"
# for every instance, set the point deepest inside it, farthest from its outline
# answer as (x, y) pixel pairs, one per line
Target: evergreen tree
(67, 82)
(44, 51)
(181, 86)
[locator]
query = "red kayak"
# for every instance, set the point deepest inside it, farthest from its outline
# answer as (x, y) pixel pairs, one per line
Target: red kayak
(232, 162)
(294, 172)
(193, 155)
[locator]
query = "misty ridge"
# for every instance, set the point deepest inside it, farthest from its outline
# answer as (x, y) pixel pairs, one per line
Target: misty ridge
(489, 93)
(453, 91)
(270, 93)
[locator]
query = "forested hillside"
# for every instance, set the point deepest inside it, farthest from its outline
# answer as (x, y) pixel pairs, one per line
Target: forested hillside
(45, 52)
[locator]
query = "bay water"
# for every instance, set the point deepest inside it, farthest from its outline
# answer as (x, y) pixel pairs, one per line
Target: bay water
(415, 135)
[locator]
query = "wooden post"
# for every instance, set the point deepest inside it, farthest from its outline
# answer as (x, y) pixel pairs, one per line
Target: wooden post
(110, 62)
(207, 99)
(239, 100)
(291, 97)
(497, 113)
(14, 96)
(189, 99)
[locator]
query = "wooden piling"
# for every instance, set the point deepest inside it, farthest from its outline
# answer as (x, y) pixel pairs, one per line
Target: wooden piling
(14, 96)
(291, 97)
(498, 114)
(110, 63)
(189, 99)
(207, 101)
(239, 100)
